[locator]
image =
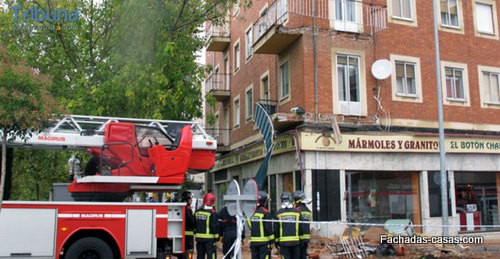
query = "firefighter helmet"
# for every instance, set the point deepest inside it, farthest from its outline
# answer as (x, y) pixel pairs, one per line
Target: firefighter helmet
(186, 196)
(209, 199)
(300, 197)
(286, 197)
(263, 197)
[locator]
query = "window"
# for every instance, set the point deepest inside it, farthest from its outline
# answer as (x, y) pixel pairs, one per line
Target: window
(346, 15)
(493, 86)
(405, 78)
(486, 22)
(454, 83)
(237, 112)
(249, 42)
(249, 103)
(449, 13)
(284, 80)
(489, 83)
(402, 12)
(237, 61)
(484, 18)
(402, 9)
(348, 83)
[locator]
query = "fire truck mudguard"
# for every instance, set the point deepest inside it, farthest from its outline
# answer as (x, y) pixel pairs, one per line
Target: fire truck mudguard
(89, 247)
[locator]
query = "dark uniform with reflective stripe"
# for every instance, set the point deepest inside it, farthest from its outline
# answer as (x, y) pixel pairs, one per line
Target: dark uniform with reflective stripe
(288, 230)
(207, 232)
(228, 231)
(306, 235)
(262, 234)
(190, 228)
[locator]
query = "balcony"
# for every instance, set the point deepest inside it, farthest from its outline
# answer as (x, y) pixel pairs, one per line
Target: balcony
(217, 84)
(269, 38)
(222, 137)
(285, 21)
(219, 38)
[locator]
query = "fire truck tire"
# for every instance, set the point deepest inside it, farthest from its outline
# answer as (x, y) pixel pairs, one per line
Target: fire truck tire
(89, 247)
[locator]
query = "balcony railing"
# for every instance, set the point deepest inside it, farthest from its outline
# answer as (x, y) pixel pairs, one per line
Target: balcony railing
(221, 135)
(218, 85)
(218, 37)
(341, 15)
(269, 105)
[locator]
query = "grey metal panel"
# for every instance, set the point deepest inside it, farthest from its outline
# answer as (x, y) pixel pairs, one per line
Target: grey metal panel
(140, 238)
(27, 232)
(175, 227)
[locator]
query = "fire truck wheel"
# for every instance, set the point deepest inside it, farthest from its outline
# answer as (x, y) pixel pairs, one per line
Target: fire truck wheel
(89, 247)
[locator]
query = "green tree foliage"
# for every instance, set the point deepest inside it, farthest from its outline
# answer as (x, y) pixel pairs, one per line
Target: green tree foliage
(26, 104)
(126, 58)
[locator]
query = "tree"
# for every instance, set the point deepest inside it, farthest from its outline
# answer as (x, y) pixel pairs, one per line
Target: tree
(26, 104)
(125, 58)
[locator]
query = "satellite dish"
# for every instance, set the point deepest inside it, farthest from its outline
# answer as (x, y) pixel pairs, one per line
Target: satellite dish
(250, 192)
(232, 190)
(381, 69)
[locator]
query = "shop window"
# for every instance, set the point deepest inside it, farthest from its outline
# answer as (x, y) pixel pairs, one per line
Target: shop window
(434, 184)
(379, 196)
(476, 194)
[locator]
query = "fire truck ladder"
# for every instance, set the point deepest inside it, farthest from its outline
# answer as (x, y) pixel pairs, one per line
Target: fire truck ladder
(80, 131)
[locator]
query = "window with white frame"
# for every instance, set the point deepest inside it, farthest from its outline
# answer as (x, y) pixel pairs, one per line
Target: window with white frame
(249, 42)
(406, 80)
(454, 83)
(347, 15)
(237, 112)
(402, 9)
(449, 13)
(284, 78)
(489, 83)
(249, 103)
(348, 83)
(484, 18)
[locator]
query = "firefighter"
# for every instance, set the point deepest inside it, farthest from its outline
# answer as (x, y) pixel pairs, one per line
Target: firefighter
(261, 229)
(207, 228)
(228, 232)
(300, 202)
(190, 225)
(287, 228)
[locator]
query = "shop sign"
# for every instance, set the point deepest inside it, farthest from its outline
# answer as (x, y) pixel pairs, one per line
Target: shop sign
(281, 145)
(391, 143)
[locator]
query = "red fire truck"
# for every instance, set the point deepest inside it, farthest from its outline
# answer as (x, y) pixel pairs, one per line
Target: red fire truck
(133, 155)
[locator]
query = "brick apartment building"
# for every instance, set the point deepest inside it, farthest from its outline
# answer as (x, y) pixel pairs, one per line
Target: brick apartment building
(361, 139)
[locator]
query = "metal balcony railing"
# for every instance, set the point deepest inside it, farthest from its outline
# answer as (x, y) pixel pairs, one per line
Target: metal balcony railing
(221, 135)
(217, 82)
(343, 15)
(218, 31)
(269, 105)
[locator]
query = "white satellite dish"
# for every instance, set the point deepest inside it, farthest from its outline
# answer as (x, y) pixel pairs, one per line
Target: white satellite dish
(382, 69)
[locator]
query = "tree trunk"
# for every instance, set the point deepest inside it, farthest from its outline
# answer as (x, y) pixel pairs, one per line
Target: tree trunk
(4, 167)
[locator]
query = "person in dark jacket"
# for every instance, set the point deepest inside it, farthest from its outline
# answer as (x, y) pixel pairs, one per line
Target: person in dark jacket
(190, 225)
(228, 232)
(300, 202)
(207, 228)
(261, 229)
(287, 228)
